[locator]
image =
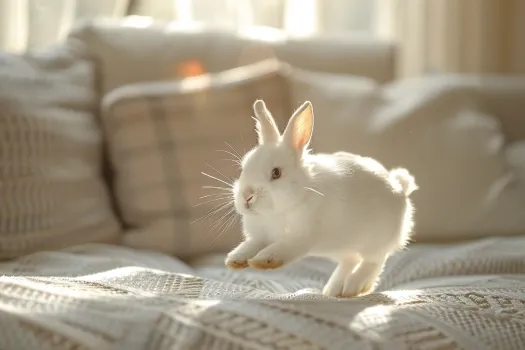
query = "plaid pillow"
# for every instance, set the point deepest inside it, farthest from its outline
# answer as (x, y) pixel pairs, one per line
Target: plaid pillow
(51, 189)
(161, 137)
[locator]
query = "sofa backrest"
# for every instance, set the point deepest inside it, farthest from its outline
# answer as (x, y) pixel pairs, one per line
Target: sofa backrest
(133, 53)
(447, 130)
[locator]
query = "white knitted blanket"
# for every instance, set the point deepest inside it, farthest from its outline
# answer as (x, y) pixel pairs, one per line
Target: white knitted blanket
(468, 296)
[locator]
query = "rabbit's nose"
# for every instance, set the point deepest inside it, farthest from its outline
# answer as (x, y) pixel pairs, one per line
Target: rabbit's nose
(248, 195)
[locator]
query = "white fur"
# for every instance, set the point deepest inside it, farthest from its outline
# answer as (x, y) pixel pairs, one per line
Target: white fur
(339, 206)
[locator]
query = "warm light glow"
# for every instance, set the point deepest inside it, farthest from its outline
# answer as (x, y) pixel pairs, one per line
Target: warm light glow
(190, 68)
(301, 17)
(184, 11)
(371, 317)
(402, 293)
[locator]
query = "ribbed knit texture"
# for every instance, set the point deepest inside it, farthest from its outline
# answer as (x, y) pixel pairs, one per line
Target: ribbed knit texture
(432, 297)
(52, 194)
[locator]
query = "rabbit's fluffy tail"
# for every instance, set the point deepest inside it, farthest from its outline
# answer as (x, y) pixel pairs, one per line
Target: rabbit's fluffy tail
(402, 177)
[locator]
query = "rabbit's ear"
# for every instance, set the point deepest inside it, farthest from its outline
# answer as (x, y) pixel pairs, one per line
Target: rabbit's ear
(300, 127)
(265, 124)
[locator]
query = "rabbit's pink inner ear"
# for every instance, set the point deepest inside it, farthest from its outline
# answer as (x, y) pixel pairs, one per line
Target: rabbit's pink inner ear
(301, 127)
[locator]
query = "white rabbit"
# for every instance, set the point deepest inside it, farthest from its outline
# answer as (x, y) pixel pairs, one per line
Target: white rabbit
(339, 206)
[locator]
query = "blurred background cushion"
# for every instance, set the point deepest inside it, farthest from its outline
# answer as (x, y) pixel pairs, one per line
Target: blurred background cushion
(51, 188)
(161, 137)
(448, 131)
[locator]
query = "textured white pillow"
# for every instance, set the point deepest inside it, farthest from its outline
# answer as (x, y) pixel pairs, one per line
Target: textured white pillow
(443, 130)
(51, 188)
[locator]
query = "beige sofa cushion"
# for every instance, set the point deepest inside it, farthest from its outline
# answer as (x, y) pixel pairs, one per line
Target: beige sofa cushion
(132, 52)
(161, 135)
(447, 131)
(51, 190)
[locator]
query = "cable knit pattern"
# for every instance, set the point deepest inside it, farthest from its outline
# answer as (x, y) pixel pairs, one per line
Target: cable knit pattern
(466, 296)
(51, 188)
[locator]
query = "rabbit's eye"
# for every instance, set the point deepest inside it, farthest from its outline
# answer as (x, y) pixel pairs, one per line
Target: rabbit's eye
(276, 173)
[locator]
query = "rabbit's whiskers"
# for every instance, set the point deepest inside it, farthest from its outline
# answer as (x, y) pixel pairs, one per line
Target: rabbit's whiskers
(218, 172)
(213, 211)
(234, 150)
(216, 178)
(217, 188)
(231, 219)
(232, 160)
(224, 210)
(223, 199)
(218, 223)
(230, 153)
(215, 195)
(314, 190)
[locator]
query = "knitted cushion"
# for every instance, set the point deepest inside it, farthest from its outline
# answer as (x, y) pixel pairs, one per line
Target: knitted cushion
(51, 190)
(161, 135)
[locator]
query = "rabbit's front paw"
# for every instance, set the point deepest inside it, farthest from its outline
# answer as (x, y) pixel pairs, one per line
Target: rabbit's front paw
(277, 255)
(266, 263)
(238, 258)
(236, 263)
(270, 258)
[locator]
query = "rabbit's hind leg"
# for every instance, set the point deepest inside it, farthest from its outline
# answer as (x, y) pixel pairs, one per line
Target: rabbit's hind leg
(336, 283)
(364, 279)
